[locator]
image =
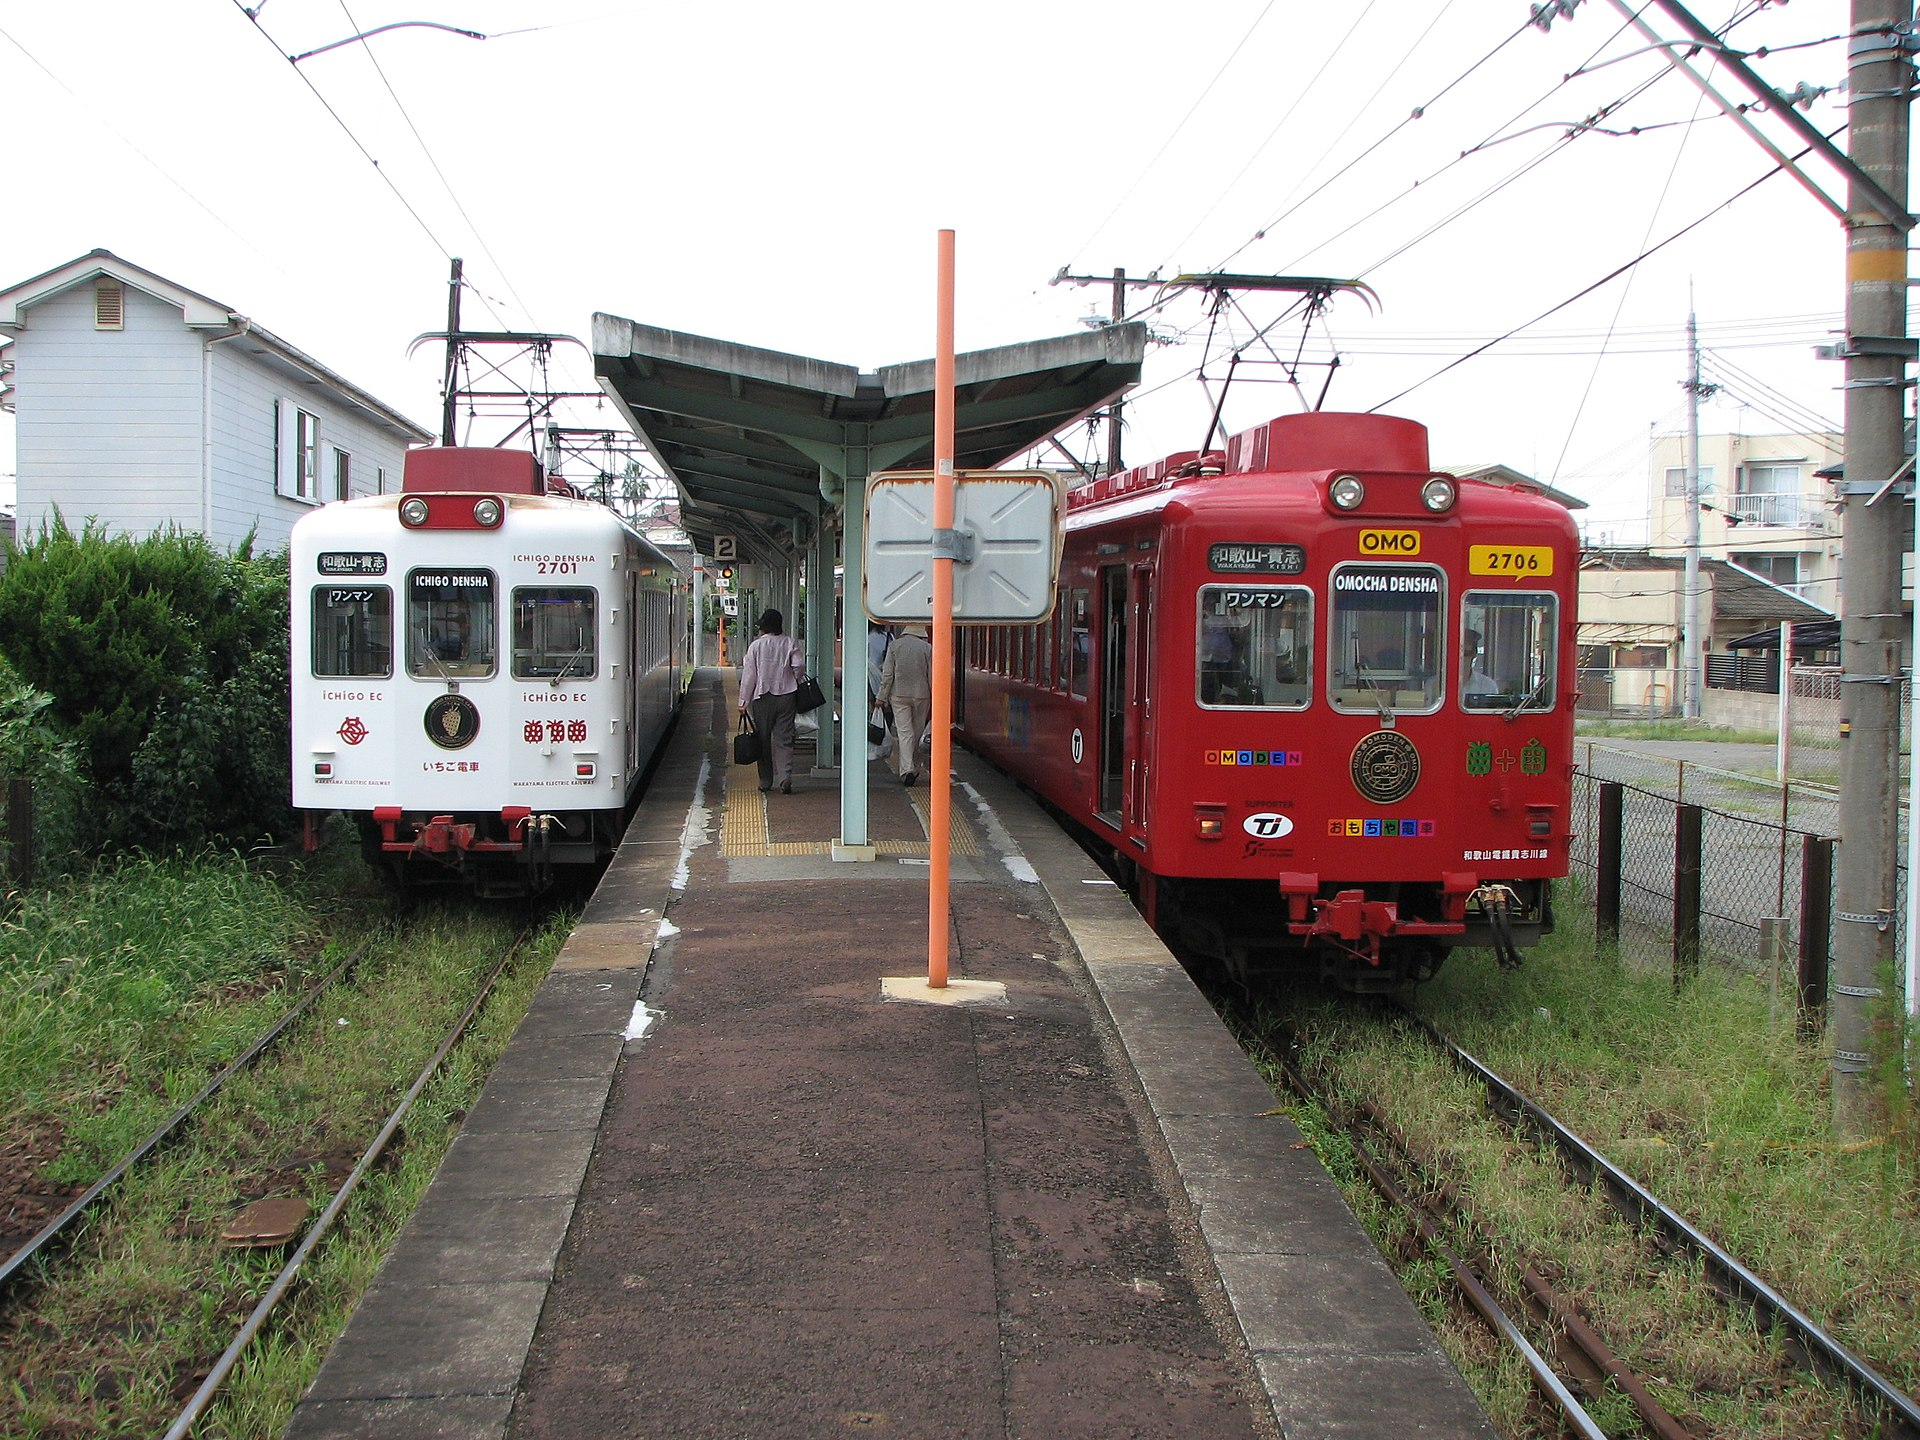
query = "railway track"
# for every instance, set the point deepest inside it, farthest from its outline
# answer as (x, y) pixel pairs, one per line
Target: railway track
(62, 1249)
(17, 1269)
(1573, 1367)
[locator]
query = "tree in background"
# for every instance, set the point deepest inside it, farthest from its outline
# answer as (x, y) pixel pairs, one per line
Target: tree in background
(165, 663)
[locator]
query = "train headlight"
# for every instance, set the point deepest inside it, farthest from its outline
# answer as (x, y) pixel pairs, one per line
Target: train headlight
(1210, 822)
(486, 512)
(1438, 494)
(1347, 492)
(413, 511)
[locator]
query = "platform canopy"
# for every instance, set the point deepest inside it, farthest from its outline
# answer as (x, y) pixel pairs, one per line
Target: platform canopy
(761, 443)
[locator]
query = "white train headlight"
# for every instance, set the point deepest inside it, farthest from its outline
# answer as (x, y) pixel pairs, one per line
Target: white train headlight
(1347, 492)
(413, 511)
(486, 512)
(1438, 494)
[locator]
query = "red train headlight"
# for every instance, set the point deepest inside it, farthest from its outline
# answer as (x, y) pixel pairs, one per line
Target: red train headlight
(413, 512)
(1347, 492)
(1438, 494)
(486, 512)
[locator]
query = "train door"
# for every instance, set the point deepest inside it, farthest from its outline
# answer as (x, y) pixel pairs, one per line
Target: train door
(636, 671)
(1115, 693)
(1139, 746)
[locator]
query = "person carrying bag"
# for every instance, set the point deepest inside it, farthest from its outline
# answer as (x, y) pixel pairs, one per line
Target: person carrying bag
(746, 742)
(770, 673)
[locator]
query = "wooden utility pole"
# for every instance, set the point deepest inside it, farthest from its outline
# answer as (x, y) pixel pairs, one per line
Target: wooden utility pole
(1872, 623)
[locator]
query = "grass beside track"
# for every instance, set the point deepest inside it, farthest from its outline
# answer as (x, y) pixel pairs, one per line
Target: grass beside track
(128, 1322)
(1707, 1097)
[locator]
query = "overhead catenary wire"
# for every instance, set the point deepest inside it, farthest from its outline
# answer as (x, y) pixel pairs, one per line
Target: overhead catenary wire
(1172, 134)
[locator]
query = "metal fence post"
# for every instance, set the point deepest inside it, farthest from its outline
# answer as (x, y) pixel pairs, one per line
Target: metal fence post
(1816, 925)
(1686, 892)
(20, 831)
(1607, 861)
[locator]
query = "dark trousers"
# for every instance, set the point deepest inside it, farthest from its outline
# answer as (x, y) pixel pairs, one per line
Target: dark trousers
(773, 718)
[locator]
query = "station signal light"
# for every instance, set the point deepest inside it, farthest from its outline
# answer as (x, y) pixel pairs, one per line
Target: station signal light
(726, 572)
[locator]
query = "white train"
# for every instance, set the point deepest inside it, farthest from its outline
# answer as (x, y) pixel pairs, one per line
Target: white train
(482, 671)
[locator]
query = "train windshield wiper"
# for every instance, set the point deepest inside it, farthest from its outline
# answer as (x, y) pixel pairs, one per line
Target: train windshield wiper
(567, 669)
(1380, 696)
(1527, 699)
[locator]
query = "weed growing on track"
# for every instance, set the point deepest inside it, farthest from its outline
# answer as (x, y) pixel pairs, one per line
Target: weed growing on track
(1717, 1108)
(114, 1343)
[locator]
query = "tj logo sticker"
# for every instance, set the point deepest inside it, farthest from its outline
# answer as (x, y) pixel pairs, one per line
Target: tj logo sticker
(1267, 826)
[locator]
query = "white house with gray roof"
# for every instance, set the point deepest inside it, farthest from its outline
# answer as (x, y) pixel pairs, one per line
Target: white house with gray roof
(142, 404)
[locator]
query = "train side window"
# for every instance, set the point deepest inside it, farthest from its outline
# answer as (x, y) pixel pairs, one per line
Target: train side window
(353, 631)
(1384, 638)
(1508, 650)
(554, 633)
(1046, 646)
(1077, 660)
(451, 632)
(1254, 649)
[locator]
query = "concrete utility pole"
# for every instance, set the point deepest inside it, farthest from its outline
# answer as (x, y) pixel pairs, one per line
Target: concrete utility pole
(1877, 348)
(1690, 641)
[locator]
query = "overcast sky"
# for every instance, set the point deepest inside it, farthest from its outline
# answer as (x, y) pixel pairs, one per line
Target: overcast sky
(775, 174)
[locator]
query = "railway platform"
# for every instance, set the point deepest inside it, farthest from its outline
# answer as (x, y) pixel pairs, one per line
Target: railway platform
(720, 1186)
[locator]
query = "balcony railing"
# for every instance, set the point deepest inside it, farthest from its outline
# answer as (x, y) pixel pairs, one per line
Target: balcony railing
(1802, 511)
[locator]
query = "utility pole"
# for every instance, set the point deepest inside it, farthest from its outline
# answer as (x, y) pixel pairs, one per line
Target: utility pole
(1113, 406)
(1119, 313)
(1877, 348)
(1690, 642)
(448, 393)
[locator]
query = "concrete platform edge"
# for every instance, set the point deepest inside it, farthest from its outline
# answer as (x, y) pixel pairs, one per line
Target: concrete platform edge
(420, 1356)
(1215, 1121)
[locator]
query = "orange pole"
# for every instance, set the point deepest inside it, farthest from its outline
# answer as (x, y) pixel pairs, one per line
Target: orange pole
(941, 777)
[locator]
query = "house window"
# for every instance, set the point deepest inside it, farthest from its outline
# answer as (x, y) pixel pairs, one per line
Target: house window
(342, 475)
(1781, 569)
(1770, 495)
(296, 452)
(109, 305)
(1677, 481)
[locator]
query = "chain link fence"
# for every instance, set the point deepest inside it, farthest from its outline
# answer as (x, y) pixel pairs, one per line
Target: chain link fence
(1757, 840)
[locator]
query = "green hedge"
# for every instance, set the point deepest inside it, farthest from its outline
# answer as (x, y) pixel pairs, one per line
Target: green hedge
(163, 661)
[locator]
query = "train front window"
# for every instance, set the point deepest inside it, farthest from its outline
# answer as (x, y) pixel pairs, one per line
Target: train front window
(451, 633)
(1508, 650)
(1385, 638)
(553, 633)
(353, 631)
(1255, 647)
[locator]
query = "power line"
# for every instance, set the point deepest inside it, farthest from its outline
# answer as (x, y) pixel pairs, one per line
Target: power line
(1172, 134)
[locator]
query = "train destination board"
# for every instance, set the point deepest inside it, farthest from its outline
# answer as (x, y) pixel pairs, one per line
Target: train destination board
(352, 562)
(1257, 559)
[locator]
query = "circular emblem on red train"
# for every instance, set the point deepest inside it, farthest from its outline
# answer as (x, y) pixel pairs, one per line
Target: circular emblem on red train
(452, 721)
(1386, 767)
(351, 730)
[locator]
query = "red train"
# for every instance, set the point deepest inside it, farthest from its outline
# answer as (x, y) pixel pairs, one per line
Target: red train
(1314, 698)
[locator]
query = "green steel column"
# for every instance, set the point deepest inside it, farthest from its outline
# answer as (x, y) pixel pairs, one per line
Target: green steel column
(820, 642)
(853, 650)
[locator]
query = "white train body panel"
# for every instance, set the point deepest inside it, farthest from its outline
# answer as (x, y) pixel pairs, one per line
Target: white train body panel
(452, 681)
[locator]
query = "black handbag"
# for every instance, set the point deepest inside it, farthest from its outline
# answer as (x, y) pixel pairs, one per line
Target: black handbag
(746, 742)
(876, 727)
(808, 695)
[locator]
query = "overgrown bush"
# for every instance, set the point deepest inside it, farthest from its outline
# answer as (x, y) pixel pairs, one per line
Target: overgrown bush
(35, 748)
(165, 663)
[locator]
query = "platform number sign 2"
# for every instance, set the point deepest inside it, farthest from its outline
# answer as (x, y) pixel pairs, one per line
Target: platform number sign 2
(724, 549)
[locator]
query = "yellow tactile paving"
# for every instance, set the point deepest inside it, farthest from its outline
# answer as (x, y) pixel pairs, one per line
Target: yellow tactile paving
(743, 831)
(743, 824)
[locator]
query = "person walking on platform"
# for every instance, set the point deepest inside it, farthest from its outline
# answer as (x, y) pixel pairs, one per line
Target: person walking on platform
(906, 688)
(770, 672)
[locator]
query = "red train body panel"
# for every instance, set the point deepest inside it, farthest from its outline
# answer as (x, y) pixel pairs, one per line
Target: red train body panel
(1305, 729)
